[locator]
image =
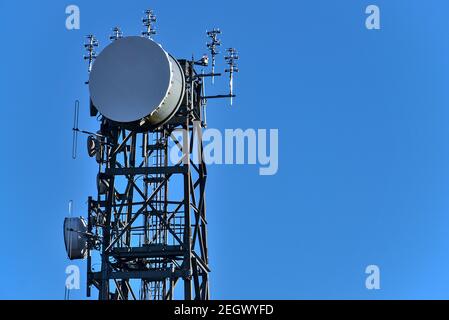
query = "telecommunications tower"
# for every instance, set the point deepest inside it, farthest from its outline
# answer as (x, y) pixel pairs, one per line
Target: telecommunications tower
(145, 236)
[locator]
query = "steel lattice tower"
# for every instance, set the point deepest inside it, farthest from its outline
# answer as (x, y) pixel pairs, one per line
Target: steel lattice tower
(150, 215)
(145, 237)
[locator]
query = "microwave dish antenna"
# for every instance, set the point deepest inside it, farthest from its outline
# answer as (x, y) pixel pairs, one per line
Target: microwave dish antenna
(135, 81)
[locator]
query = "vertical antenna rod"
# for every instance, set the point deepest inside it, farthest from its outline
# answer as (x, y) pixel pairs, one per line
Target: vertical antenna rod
(148, 22)
(230, 59)
(213, 47)
(90, 46)
(75, 129)
(116, 34)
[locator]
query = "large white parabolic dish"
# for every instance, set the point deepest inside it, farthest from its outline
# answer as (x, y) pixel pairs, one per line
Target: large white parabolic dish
(134, 79)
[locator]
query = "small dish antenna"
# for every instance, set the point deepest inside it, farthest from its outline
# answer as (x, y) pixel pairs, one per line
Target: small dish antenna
(75, 236)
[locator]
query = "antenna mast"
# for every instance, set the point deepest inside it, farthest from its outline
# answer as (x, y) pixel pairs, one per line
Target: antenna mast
(116, 34)
(148, 22)
(213, 47)
(231, 62)
(90, 46)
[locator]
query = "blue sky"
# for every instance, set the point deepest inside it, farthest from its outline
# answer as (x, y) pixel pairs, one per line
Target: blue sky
(363, 144)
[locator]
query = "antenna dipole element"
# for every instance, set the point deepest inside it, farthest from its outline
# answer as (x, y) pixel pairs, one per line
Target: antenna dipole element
(75, 129)
(116, 34)
(213, 47)
(90, 46)
(230, 59)
(148, 22)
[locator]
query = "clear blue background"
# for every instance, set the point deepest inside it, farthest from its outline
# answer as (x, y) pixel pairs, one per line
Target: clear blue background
(363, 119)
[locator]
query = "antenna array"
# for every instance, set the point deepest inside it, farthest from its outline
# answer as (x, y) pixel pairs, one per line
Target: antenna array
(116, 34)
(148, 22)
(90, 46)
(213, 47)
(230, 59)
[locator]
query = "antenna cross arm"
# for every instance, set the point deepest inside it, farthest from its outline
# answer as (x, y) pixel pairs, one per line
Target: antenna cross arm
(219, 96)
(204, 75)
